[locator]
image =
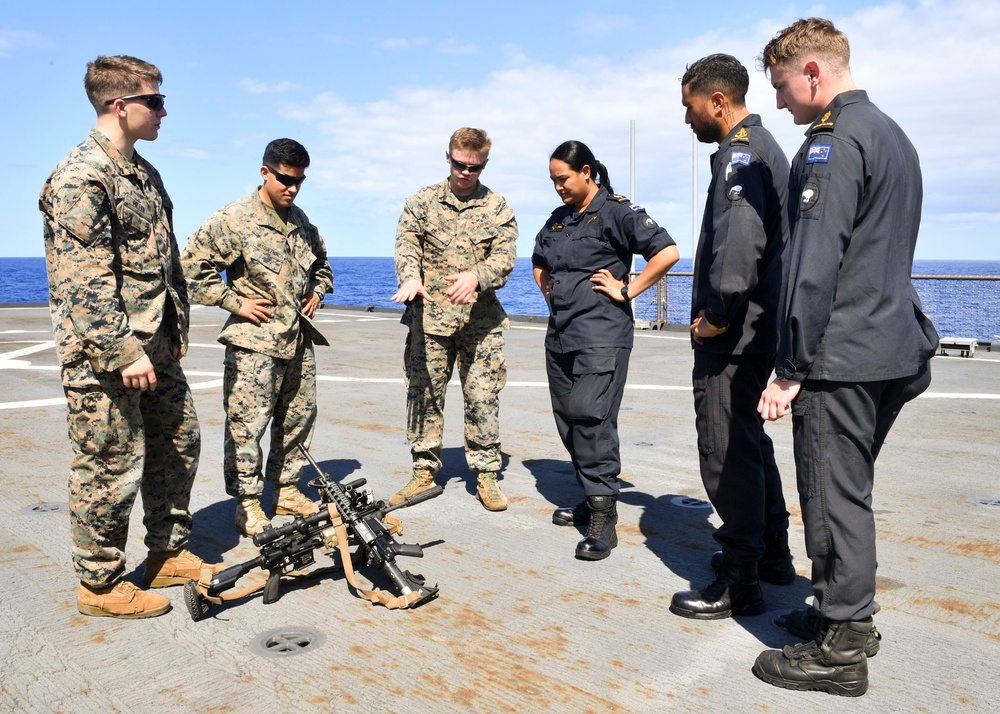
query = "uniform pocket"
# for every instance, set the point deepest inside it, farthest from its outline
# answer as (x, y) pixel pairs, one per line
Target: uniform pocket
(590, 397)
(94, 423)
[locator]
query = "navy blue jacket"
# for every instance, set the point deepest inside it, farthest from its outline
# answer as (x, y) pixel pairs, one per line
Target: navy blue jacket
(739, 262)
(572, 248)
(851, 313)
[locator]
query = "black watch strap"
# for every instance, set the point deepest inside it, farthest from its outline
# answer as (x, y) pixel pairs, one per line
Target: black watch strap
(625, 291)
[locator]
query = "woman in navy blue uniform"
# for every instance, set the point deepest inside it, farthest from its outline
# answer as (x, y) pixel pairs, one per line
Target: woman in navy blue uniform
(581, 264)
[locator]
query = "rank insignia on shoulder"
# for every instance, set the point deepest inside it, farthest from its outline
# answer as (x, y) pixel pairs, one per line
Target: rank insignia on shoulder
(824, 123)
(742, 136)
(740, 156)
(819, 153)
(618, 197)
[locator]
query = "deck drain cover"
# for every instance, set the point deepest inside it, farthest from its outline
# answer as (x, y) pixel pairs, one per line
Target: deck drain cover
(688, 502)
(995, 502)
(46, 508)
(287, 641)
(643, 443)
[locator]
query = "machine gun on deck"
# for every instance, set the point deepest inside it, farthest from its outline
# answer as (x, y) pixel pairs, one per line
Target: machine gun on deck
(349, 514)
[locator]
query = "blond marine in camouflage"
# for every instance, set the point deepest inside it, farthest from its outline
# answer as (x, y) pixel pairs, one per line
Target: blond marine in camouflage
(456, 243)
(120, 315)
(277, 273)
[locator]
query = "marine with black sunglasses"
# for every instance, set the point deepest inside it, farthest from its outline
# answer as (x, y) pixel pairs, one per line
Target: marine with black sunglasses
(277, 273)
(120, 313)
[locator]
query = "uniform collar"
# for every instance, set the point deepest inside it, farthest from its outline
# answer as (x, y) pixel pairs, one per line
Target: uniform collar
(124, 166)
(832, 110)
(267, 218)
(749, 120)
(446, 195)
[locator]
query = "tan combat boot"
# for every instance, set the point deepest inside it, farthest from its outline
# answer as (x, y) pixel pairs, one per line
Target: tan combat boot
(421, 480)
(123, 600)
(290, 501)
(174, 567)
(250, 518)
(489, 492)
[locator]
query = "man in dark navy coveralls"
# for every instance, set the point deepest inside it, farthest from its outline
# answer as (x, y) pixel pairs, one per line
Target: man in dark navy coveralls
(854, 343)
(734, 307)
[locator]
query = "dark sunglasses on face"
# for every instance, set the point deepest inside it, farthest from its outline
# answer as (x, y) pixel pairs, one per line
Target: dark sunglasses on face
(471, 168)
(153, 101)
(285, 179)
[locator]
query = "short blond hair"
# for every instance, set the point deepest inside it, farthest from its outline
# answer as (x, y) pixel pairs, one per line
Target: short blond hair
(472, 140)
(813, 36)
(110, 77)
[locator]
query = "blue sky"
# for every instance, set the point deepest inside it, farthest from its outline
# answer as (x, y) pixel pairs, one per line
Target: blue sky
(374, 90)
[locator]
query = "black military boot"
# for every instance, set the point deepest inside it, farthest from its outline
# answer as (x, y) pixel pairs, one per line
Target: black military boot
(577, 515)
(775, 566)
(806, 622)
(834, 662)
(601, 535)
(735, 591)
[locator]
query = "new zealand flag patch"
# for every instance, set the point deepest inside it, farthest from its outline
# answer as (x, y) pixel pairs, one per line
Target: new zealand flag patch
(740, 157)
(819, 153)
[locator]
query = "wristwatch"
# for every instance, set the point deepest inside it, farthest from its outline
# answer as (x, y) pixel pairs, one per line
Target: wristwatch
(625, 292)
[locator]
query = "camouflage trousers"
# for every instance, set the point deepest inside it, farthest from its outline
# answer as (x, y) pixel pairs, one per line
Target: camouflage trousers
(258, 389)
(128, 442)
(428, 361)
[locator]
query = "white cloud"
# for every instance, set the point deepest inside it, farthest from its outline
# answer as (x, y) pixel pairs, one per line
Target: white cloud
(452, 47)
(254, 86)
(12, 40)
(603, 24)
(933, 67)
(402, 43)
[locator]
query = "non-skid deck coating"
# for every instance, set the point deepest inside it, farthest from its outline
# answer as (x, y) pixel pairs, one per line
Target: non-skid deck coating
(520, 625)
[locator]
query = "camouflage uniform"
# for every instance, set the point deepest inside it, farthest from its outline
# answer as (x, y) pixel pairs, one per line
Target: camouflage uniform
(441, 234)
(116, 293)
(270, 370)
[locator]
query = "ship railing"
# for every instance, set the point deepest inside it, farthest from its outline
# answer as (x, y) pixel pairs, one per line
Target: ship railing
(963, 307)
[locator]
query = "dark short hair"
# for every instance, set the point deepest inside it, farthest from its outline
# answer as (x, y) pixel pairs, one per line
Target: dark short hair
(576, 155)
(718, 73)
(286, 152)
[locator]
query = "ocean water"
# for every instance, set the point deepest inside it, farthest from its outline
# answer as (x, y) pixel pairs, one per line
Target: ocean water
(958, 308)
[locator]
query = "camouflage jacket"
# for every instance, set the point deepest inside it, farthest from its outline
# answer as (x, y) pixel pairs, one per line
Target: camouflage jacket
(113, 263)
(261, 260)
(441, 234)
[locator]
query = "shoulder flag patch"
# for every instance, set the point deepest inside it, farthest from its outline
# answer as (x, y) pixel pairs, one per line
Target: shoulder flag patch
(819, 153)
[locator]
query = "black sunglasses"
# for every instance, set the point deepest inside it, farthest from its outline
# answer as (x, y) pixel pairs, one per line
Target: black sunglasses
(285, 179)
(471, 168)
(153, 101)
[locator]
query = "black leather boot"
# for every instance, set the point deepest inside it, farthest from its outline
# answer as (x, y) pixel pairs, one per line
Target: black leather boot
(577, 515)
(806, 622)
(775, 566)
(834, 662)
(735, 591)
(601, 535)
